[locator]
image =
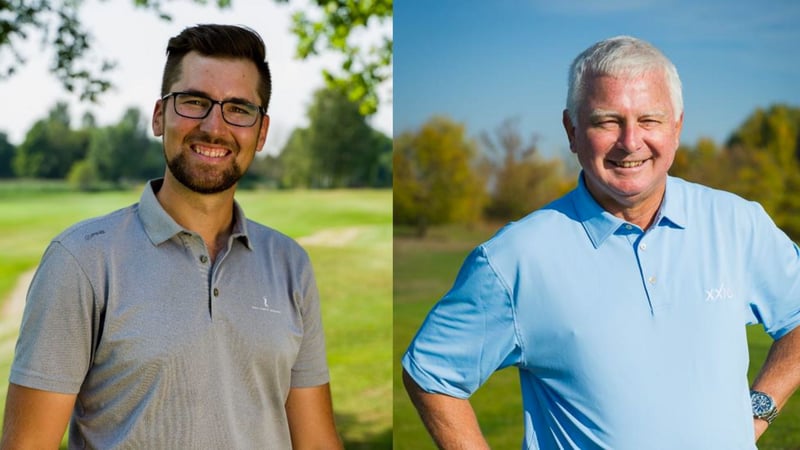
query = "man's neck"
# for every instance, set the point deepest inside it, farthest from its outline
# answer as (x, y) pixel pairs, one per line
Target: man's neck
(209, 215)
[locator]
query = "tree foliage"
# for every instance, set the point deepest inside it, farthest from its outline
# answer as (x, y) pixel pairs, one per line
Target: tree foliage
(338, 149)
(79, 71)
(337, 22)
(295, 160)
(7, 152)
(760, 162)
(125, 151)
(88, 155)
(522, 180)
(50, 147)
(435, 180)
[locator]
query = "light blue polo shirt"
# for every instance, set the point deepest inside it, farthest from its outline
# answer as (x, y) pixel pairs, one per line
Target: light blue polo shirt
(624, 339)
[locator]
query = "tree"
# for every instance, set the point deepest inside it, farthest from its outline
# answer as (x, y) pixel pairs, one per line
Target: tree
(760, 162)
(295, 159)
(704, 163)
(7, 152)
(380, 174)
(344, 150)
(434, 178)
(361, 72)
(125, 151)
(765, 149)
(522, 181)
(74, 65)
(265, 170)
(50, 147)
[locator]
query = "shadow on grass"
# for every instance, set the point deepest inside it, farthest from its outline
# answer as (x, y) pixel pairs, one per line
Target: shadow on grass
(355, 437)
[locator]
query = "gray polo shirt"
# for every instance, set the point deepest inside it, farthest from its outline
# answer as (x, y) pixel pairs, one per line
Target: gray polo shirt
(164, 349)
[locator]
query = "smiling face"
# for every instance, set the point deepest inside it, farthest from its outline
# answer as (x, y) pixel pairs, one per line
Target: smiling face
(209, 155)
(625, 139)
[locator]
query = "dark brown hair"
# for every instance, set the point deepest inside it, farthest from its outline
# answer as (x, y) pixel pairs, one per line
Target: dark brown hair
(225, 41)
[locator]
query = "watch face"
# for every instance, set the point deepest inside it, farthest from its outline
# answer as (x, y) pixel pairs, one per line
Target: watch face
(761, 404)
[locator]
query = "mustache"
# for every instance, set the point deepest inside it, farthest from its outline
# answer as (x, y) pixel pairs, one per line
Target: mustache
(201, 137)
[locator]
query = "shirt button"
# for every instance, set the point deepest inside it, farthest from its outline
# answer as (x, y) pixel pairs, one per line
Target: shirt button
(642, 246)
(628, 226)
(652, 280)
(216, 292)
(203, 259)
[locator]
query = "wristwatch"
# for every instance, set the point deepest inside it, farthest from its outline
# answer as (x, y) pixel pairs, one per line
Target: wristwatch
(763, 406)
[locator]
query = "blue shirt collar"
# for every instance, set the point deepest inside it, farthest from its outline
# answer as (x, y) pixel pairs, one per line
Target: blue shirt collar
(600, 224)
(160, 226)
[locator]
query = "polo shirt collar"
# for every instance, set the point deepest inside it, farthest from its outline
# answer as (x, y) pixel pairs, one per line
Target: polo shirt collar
(161, 227)
(600, 224)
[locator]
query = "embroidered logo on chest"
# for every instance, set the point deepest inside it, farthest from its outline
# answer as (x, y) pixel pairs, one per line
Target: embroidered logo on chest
(266, 307)
(720, 293)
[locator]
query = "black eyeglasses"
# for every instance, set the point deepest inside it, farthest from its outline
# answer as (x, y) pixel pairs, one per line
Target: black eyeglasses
(197, 106)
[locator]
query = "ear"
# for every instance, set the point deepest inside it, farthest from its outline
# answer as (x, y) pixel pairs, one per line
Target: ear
(569, 128)
(678, 129)
(262, 133)
(158, 119)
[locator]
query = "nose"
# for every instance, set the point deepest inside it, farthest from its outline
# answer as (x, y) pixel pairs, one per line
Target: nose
(630, 138)
(213, 122)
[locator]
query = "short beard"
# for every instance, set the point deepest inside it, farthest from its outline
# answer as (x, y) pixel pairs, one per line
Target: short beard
(205, 183)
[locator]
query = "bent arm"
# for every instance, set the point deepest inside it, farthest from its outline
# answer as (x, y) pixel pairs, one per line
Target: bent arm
(310, 414)
(450, 421)
(35, 419)
(780, 375)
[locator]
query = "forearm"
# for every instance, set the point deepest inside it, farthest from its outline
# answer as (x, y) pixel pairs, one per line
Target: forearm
(35, 419)
(310, 414)
(450, 421)
(780, 375)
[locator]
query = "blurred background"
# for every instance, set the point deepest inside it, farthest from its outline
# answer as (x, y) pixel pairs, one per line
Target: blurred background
(78, 83)
(479, 91)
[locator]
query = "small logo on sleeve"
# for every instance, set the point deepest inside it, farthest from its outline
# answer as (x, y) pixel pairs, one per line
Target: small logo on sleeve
(266, 307)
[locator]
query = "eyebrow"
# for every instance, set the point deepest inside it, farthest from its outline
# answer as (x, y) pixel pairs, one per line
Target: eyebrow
(601, 113)
(229, 99)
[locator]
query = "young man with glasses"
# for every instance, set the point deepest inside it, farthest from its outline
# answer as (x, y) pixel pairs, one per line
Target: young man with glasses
(176, 322)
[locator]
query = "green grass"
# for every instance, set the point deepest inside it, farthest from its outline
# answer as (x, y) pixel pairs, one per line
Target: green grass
(423, 271)
(354, 280)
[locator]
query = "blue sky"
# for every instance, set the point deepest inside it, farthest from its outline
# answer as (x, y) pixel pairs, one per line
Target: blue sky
(481, 62)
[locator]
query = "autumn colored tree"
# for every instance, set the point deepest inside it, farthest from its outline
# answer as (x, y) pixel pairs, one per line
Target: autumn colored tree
(760, 162)
(522, 180)
(765, 149)
(435, 181)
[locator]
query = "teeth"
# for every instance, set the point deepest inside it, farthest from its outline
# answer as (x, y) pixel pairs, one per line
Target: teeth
(210, 152)
(629, 164)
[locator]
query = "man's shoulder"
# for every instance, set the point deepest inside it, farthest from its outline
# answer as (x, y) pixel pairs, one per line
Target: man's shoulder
(103, 228)
(542, 227)
(263, 235)
(696, 195)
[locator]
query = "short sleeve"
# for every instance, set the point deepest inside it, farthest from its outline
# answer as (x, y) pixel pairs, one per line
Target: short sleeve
(310, 367)
(54, 348)
(776, 281)
(467, 336)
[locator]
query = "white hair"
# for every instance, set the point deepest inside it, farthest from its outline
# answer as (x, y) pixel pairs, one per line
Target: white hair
(620, 56)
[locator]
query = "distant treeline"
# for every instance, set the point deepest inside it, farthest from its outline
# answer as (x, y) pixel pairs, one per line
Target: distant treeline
(443, 176)
(337, 150)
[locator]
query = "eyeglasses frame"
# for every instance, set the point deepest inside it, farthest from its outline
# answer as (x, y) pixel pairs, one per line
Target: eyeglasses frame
(221, 104)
